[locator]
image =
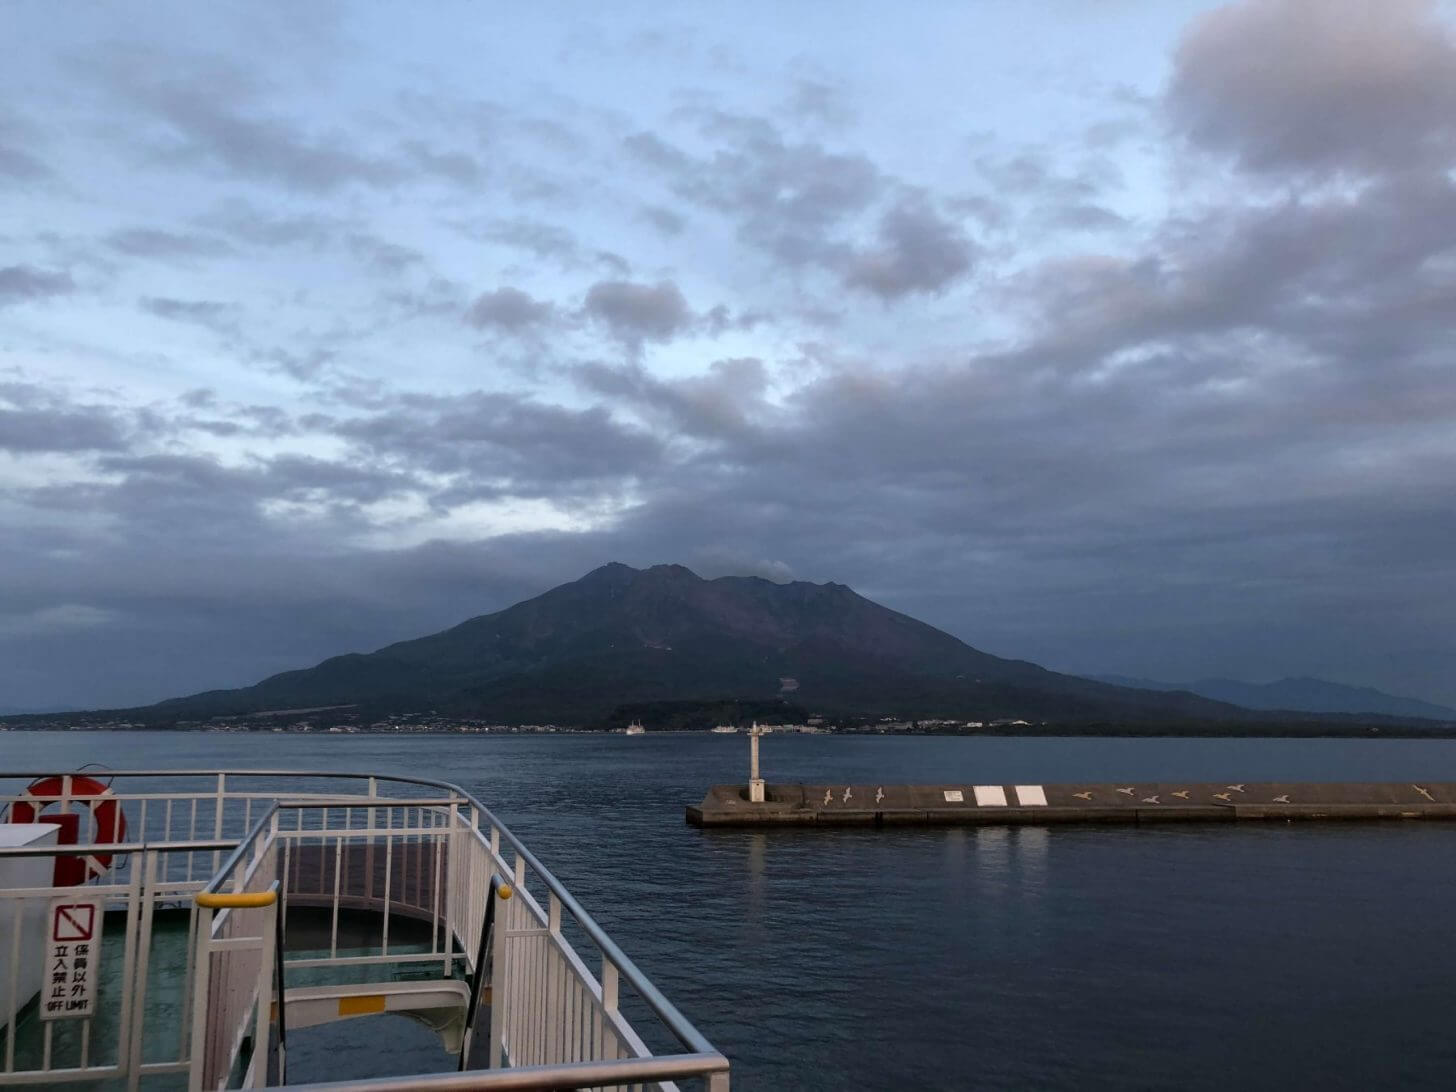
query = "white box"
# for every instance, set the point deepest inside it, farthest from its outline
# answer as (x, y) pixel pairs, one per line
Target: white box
(15, 873)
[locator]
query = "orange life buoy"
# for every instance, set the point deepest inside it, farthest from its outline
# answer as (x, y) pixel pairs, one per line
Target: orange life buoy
(108, 820)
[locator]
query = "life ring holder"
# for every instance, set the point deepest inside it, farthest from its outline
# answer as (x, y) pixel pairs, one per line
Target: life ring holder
(107, 817)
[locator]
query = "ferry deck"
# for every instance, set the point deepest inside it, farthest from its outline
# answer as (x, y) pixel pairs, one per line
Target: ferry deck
(168, 929)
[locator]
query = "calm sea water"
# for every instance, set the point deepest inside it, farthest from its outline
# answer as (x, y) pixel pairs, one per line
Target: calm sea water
(1250, 957)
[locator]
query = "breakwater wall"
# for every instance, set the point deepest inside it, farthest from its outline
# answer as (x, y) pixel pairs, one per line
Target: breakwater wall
(1105, 802)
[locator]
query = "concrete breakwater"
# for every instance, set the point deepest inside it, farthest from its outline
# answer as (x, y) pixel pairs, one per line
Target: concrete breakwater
(1116, 802)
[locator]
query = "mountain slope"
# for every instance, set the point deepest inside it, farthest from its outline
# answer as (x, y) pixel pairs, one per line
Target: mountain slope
(1304, 695)
(622, 635)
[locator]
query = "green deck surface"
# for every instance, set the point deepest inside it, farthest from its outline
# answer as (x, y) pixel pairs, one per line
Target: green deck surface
(166, 1008)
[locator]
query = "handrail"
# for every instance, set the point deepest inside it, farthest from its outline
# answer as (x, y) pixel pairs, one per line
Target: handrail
(610, 1074)
(214, 885)
(237, 900)
(665, 1010)
(119, 848)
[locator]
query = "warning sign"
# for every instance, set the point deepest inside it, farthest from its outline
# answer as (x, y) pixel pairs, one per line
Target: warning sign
(73, 960)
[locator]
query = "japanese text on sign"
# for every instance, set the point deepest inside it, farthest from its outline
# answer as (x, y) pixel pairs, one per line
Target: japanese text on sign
(73, 959)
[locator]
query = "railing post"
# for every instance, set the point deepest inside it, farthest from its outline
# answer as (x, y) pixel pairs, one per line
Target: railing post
(200, 991)
(499, 987)
(218, 818)
(266, 976)
(501, 892)
(609, 985)
(279, 955)
(148, 870)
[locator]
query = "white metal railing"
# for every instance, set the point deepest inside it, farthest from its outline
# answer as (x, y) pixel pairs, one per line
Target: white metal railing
(115, 1043)
(400, 873)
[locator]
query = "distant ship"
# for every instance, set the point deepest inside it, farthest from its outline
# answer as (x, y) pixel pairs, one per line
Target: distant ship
(636, 729)
(726, 729)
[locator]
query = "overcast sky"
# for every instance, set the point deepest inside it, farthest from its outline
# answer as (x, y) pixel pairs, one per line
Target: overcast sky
(1116, 336)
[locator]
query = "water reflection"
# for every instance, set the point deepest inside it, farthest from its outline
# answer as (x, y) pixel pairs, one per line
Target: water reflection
(757, 845)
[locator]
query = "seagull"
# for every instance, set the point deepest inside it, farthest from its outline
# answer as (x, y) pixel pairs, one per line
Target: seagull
(879, 794)
(1236, 788)
(1424, 793)
(1083, 795)
(847, 795)
(1221, 796)
(1126, 792)
(1281, 799)
(1150, 799)
(828, 795)
(1181, 794)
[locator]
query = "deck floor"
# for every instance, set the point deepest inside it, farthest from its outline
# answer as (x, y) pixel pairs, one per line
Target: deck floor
(166, 1008)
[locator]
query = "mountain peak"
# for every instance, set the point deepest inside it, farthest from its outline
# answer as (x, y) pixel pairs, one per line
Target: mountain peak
(675, 572)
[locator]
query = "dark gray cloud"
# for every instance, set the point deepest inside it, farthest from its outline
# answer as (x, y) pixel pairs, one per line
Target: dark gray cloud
(1320, 85)
(509, 309)
(23, 282)
(918, 250)
(634, 313)
(503, 445)
(727, 402)
(34, 418)
(58, 430)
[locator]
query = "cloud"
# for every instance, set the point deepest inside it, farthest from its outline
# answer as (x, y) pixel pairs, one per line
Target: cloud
(384, 256)
(727, 402)
(1085, 218)
(1319, 85)
(634, 313)
(789, 199)
(663, 219)
(536, 238)
(61, 618)
(17, 162)
(549, 242)
(498, 444)
(19, 283)
(57, 430)
(210, 112)
(36, 419)
(509, 309)
(212, 314)
(249, 224)
(1202, 384)
(918, 251)
(818, 101)
(156, 243)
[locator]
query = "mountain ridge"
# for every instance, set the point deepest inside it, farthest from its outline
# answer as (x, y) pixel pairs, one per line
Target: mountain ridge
(1302, 694)
(620, 634)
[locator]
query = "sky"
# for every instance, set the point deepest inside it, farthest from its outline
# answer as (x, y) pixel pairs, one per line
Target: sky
(1116, 336)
